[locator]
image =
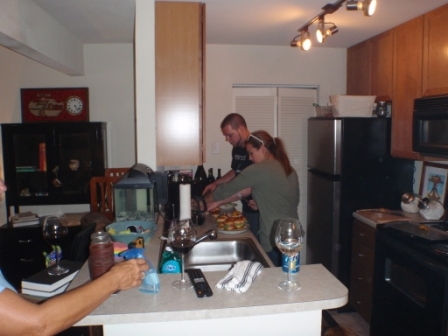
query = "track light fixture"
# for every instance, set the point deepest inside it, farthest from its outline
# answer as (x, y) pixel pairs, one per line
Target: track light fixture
(322, 33)
(302, 40)
(305, 41)
(367, 6)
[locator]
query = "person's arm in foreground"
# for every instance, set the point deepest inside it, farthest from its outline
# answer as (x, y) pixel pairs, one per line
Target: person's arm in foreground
(21, 317)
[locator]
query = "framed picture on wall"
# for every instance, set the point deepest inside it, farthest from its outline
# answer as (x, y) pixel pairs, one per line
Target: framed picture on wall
(55, 104)
(433, 183)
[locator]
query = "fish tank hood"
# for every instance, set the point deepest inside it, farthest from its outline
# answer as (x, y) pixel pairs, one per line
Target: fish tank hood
(139, 192)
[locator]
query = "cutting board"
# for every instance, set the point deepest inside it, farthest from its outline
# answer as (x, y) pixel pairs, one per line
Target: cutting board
(381, 216)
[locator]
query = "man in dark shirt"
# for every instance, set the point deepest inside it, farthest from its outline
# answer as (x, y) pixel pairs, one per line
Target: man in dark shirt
(234, 129)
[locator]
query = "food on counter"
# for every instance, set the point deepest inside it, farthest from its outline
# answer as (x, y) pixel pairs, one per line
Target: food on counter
(215, 212)
(236, 213)
(230, 223)
(423, 227)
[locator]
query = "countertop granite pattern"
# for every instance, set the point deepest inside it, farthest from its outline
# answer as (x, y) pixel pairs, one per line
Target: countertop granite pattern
(320, 290)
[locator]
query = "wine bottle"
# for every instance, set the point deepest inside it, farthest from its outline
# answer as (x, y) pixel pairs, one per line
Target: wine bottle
(200, 181)
(219, 173)
(210, 177)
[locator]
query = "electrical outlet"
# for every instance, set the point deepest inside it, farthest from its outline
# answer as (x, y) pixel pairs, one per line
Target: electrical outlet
(216, 147)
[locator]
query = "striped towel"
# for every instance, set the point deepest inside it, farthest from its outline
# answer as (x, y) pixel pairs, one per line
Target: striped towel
(241, 276)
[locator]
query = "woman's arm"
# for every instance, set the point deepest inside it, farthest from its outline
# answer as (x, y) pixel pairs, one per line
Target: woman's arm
(21, 317)
(225, 178)
(235, 197)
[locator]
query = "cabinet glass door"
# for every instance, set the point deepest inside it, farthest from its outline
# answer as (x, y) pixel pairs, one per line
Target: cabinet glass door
(74, 160)
(30, 164)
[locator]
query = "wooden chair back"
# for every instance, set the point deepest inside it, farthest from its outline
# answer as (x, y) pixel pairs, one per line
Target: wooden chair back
(101, 195)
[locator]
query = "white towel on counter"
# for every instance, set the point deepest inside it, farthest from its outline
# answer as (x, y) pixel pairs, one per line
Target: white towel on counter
(241, 276)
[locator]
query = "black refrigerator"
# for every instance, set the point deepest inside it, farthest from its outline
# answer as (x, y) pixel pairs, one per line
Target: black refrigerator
(349, 168)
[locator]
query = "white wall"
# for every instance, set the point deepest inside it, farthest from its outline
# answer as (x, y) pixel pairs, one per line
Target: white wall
(109, 75)
(231, 64)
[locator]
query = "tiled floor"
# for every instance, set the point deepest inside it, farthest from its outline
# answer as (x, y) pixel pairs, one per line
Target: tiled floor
(351, 322)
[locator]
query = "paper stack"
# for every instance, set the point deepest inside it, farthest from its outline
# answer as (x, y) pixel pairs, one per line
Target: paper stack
(24, 219)
(43, 284)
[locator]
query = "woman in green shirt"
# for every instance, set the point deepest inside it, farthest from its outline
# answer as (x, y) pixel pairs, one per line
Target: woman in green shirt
(274, 185)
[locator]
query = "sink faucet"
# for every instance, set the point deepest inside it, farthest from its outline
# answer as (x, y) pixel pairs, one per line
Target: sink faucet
(209, 234)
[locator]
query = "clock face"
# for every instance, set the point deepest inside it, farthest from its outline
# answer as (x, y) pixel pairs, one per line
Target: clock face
(74, 105)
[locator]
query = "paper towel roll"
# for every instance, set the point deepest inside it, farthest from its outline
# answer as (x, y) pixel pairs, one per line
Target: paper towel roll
(185, 201)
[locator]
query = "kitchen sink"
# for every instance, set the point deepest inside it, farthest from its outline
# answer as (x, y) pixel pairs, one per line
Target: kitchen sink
(222, 254)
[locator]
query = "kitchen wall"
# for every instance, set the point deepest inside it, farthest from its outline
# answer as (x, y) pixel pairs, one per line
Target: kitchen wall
(237, 64)
(109, 75)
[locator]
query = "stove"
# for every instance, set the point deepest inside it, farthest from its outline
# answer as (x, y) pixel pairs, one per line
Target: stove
(410, 291)
(430, 238)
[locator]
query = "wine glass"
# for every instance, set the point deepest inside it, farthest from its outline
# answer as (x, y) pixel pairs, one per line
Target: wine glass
(55, 229)
(289, 239)
(182, 238)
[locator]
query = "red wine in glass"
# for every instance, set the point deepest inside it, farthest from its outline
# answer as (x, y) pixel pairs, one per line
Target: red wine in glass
(182, 246)
(182, 238)
(54, 231)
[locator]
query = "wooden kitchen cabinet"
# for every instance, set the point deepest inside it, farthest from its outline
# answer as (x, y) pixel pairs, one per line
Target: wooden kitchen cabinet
(52, 163)
(382, 66)
(179, 82)
(435, 61)
(361, 277)
(408, 64)
(358, 69)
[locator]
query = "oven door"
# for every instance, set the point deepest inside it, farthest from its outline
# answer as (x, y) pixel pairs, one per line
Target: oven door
(409, 291)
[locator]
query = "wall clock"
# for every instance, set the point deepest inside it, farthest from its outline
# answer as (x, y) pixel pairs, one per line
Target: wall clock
(55, 104)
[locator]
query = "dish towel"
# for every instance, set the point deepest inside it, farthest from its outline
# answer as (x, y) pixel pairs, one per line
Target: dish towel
(241, 276)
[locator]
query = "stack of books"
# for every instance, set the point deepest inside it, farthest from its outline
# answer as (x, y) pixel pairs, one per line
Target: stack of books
(45, 285)
(24, 219)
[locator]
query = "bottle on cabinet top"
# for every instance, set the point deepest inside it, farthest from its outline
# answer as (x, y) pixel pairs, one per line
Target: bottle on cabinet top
(219, 173)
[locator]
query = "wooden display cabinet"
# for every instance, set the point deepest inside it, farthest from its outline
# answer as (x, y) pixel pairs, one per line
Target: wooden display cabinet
(52, 163)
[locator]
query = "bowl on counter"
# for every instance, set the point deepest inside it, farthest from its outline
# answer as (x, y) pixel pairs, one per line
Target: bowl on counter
(120, 232)
(227, 208)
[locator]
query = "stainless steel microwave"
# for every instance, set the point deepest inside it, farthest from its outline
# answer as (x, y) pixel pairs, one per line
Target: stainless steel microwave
(430, 126)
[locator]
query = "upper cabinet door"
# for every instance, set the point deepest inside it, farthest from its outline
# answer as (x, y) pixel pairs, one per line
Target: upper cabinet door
(408, 57)
(179, 82)
(358, 68)
(382, 66)
(435, 56)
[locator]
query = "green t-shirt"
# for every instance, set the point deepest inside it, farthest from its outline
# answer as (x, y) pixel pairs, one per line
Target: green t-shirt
(276, 195)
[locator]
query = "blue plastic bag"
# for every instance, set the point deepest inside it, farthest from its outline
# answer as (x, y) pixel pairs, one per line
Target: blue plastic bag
(151, 283)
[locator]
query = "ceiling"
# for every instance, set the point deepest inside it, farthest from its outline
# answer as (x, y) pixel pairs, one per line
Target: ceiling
(245, 22)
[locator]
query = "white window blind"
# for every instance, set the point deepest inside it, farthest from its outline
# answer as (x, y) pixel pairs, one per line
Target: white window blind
(283, 112)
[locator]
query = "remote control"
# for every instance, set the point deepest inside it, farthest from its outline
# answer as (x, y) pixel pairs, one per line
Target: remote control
(199, 282)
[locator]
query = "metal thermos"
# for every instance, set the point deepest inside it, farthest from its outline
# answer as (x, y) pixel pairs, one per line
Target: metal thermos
(101, 257)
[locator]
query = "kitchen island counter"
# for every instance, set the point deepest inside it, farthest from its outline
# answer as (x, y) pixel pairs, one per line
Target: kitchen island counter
(264, 308)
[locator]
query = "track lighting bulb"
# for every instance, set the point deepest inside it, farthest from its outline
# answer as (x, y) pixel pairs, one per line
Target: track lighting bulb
(367, 6)
(305, 41)
(320, 32)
